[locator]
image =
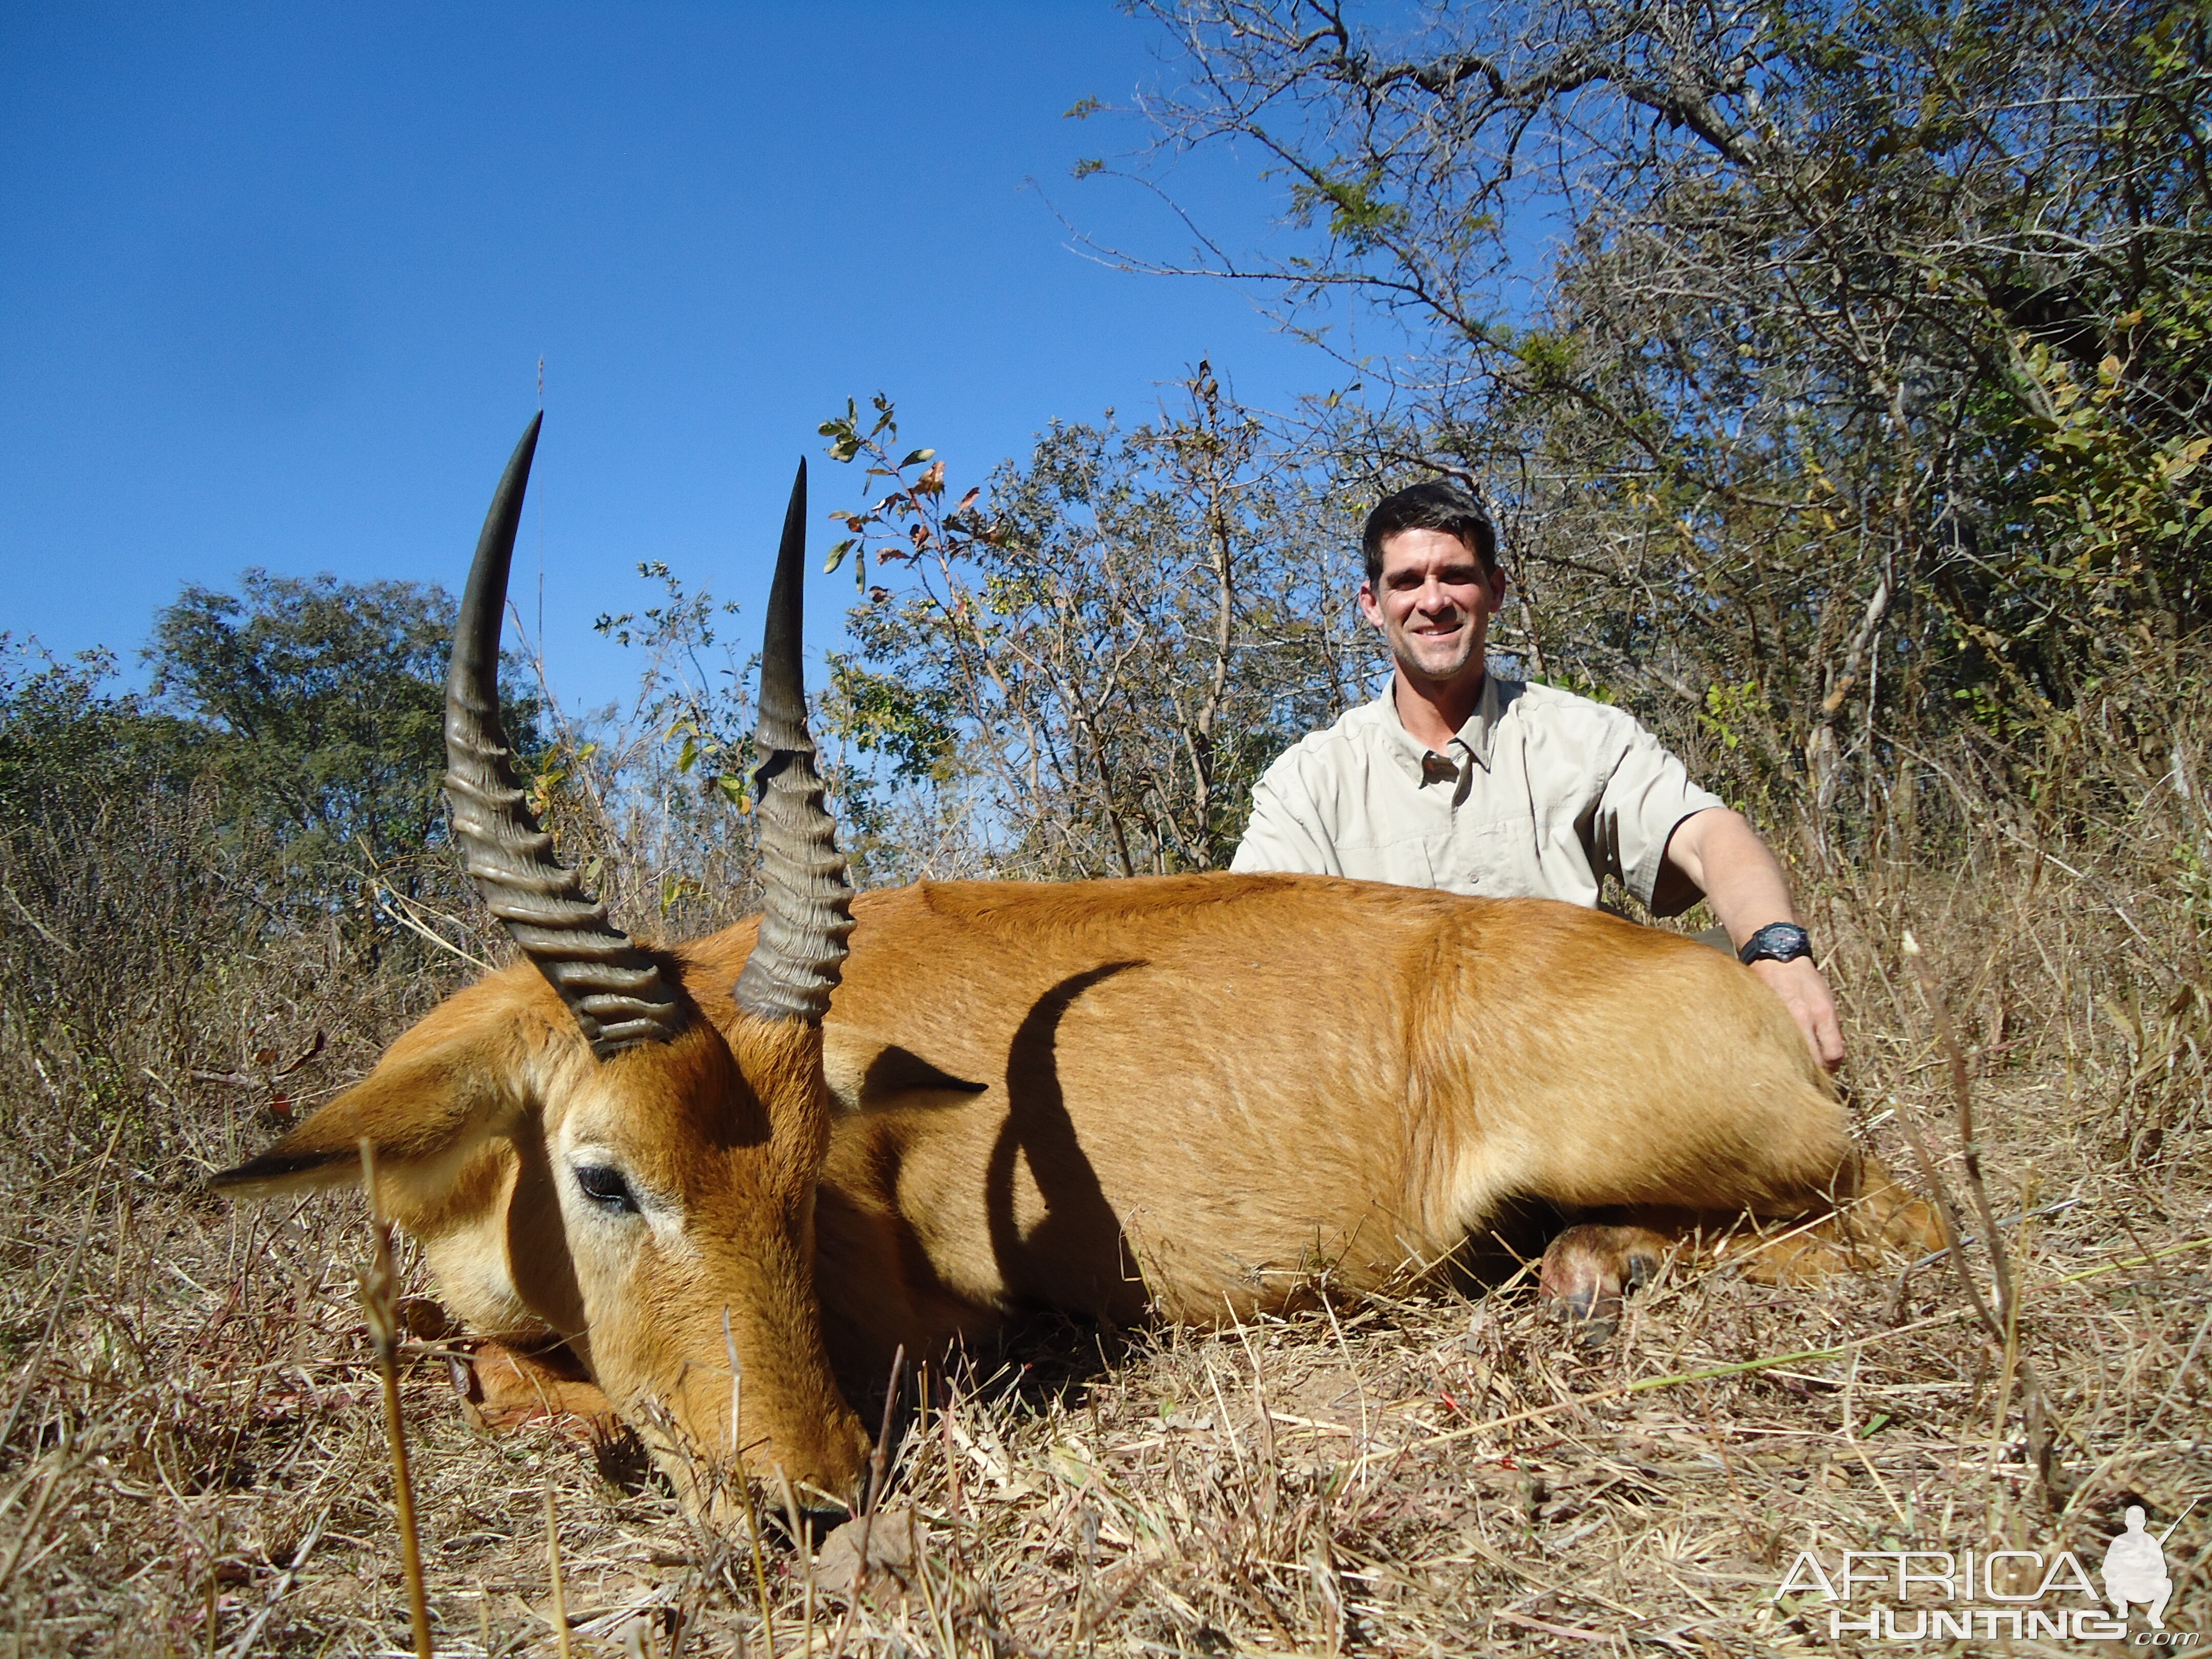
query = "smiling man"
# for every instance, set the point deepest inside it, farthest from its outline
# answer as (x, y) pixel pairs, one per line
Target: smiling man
(1456, 778)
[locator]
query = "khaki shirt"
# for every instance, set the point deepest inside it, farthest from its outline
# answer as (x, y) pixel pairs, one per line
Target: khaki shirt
(1542, 793)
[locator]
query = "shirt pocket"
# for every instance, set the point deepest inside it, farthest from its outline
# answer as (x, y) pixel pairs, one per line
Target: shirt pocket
(1489, 856)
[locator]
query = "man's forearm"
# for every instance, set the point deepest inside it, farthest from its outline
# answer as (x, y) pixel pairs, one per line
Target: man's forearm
(1719, 851)
(1741, 880)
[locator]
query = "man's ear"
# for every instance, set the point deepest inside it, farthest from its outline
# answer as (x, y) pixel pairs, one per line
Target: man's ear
(1368, 607)
(418, 1110)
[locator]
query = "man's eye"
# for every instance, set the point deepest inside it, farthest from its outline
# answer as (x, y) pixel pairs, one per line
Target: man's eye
(606, 1187)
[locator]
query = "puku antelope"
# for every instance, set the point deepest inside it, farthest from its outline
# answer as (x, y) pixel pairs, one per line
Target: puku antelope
(1182, 1094)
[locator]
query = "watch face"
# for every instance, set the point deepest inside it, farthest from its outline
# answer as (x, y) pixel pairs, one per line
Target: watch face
(1779, 941)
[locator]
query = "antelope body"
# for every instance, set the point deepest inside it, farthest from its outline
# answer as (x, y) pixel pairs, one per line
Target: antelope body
(1185, 1094)
(1192, 1093)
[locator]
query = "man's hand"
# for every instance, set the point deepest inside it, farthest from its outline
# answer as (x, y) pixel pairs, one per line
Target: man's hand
(1805, 995)
(1724, 856)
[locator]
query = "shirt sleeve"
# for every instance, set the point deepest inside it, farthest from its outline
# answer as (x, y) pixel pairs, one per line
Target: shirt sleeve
(1648, 794)
(1285, 832)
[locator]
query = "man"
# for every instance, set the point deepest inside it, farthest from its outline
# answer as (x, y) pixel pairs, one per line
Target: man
(1455, 778)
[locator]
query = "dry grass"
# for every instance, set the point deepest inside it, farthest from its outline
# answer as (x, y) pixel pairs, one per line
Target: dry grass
(195, 1461)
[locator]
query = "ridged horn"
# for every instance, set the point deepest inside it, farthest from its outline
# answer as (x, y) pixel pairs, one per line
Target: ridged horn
(616, 991)
(800, 956)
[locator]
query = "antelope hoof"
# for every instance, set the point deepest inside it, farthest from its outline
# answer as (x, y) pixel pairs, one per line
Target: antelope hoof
(1907, 1223)
(1587, 1273)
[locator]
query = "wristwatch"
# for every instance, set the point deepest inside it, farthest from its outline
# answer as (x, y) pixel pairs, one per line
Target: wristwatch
(1779, 941)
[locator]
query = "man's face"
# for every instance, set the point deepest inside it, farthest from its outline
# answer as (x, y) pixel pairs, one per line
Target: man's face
(1433, 603)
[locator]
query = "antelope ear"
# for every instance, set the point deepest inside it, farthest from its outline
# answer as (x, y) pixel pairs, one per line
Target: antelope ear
(417, 1111)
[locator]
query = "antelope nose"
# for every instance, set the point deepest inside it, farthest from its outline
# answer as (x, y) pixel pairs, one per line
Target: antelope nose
(815, 1523)
(819, 1524)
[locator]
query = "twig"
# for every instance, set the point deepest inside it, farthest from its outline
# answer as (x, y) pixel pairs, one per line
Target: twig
(553, 1570)
(876, 1472)
(1969, 1146)
(379, 1296)
(402, 911)
(2012, 1220)
(939, 1618)
(34, 1518)
(1858, 1444)
(36, 925)
(2041, 853)
(2004, 1328)
(1351, 1365)
(245, 1642)
(745, 1490)
(2102, 1269)
(806, 1556)
(1572, 1633)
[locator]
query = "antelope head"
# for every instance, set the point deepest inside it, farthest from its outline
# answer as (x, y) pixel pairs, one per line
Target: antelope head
(583, 1152)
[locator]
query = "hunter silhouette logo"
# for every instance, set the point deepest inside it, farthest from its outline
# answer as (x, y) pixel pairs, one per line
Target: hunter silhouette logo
(1943, 1596)
(2135, 1570)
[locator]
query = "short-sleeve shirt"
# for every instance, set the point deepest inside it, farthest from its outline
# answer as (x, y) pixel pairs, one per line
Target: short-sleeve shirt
(1541, 794)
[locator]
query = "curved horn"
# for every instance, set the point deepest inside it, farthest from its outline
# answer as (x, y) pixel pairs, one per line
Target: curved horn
(800, 953)
(616, 991)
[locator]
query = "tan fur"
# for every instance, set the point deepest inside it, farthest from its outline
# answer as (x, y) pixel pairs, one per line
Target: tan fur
(1187, 1094)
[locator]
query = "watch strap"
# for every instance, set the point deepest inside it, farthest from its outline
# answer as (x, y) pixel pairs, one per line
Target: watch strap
(1779, 941)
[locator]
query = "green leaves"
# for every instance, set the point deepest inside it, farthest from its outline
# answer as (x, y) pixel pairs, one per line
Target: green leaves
(2121, 507)
(910, 722)
(1358, 208)
(908, 520)
(846, 438)
(1731, 710)
(322, 706)
(696, 720)
(843, 433)
(68, 744)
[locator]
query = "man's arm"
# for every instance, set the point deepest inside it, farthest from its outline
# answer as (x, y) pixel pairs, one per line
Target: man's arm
(1719, 851)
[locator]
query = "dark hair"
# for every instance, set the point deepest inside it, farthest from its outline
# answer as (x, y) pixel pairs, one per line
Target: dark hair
(1438, 504)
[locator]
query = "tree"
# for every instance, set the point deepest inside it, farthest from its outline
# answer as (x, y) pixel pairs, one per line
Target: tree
(1109, 654)
(670, 783)
(320, 709)
(70, 748)
(1861, 393)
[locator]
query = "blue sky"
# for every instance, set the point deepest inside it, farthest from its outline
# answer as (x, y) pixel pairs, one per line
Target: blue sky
(274, 284)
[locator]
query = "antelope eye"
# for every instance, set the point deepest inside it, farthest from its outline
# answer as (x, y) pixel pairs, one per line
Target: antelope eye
(606, 1187)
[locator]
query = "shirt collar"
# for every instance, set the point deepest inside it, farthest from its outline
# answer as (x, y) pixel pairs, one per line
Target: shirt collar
(1473, 740)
